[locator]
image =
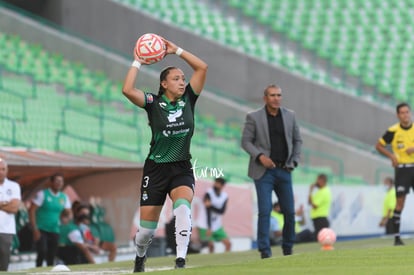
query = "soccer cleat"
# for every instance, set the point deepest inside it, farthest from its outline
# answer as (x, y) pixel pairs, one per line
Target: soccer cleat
(180, 263)
(140, 264)
(264, 255)
(398, 241)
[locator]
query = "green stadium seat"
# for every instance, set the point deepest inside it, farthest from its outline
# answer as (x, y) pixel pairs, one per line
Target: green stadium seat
(74, 121)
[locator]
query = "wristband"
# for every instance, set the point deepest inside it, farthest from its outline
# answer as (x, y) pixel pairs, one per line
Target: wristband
(136, 64)
(179, 51)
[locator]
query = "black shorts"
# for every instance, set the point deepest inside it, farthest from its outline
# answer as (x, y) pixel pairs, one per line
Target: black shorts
(404, 179)
(159, 179)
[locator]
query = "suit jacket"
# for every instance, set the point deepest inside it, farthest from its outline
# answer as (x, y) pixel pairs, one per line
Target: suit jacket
(256, 139)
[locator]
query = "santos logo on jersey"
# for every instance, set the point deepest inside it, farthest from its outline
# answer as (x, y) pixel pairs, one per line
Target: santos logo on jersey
(172, 117)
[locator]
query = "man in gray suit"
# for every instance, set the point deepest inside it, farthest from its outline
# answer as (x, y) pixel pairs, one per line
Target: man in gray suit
(272, 138)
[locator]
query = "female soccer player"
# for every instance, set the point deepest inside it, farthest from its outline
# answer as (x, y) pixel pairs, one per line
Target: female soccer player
(167, 168)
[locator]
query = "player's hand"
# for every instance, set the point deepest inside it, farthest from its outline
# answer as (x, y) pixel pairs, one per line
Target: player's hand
(171, 47)
(140, 60)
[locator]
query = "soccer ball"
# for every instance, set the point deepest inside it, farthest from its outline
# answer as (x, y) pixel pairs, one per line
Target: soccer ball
(150, 47)
(326, 237)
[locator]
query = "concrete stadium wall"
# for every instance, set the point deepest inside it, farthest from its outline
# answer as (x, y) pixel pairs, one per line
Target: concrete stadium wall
(120, 197)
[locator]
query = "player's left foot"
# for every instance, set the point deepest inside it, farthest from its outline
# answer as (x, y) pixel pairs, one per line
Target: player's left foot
(139, 265)
(398, 241)
(180, 263)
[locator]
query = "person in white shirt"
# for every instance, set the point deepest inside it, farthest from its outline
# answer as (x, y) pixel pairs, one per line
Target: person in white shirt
(10, 197)
(210, 225)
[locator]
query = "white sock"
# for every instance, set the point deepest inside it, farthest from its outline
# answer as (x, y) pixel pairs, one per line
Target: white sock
(182, 229)
(143, 239)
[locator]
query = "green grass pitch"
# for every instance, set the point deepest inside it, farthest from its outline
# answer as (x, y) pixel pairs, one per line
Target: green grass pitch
(369, 256)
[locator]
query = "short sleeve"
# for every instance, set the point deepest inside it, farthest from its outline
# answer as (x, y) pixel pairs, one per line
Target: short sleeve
(68, 204)
(387, 138)
(75, 236)
(149, 100)
(17, 192)
(191, 94)
(38, 199)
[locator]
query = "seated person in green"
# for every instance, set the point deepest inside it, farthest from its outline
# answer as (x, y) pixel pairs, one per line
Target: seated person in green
(91, 233)
(72, 249)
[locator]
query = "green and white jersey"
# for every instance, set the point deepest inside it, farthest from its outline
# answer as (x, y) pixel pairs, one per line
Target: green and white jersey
(70, 234)
(50, 205)
(172, 126)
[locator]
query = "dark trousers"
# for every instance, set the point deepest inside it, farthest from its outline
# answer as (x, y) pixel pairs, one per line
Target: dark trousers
(389, 227)
(318, 224)
(5, 243)
(304, 236)
(279, 181)
(71, 255)
(46, 248)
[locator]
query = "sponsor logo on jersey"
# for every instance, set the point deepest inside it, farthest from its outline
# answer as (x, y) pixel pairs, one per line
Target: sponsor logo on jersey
(172, 117)
(175, 124)
(166, 133)
(181, 131)
(163, 104)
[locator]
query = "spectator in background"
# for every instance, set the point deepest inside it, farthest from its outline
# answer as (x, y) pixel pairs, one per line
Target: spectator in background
(91, 233)
(302, 235)
(319, 199)
(389, 204)
(23, 229)
(44, 215)
(276, 226)
(72, 248)
(211, 227)
(75, 205)
(10, 197)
